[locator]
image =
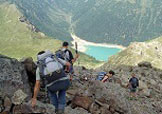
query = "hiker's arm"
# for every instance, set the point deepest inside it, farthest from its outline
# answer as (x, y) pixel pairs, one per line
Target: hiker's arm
(105, 78)
(138, 84)
(36, 90)
(68, 64)
(63, 62)
(75, 58)
(128, 85)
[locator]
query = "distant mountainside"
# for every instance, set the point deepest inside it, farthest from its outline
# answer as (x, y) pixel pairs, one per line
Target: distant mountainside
(19, 38)
(150, 51)
(110, 21)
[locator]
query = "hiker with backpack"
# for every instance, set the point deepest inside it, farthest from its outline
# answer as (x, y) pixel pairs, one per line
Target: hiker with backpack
(67, 55)
(133, 85)
(50, 71)
(104, 76)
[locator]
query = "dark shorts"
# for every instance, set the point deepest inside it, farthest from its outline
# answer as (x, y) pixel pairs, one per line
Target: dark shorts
(133, 90)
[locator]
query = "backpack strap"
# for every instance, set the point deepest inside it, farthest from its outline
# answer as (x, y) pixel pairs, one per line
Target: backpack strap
(41, 65)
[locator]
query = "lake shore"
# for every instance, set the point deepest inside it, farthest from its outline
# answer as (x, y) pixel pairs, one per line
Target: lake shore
(83, 43)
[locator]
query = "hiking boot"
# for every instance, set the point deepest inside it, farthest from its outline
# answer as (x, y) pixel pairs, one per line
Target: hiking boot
(60, 111)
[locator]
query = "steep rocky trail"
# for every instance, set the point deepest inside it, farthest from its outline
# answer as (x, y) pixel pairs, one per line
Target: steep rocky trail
(86, 95)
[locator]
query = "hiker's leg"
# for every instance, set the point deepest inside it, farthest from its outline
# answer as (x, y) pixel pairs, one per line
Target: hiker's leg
(53, 99)
(61, 100)
(131, 92)
(134, 94)
(71, 72)
(71, 77)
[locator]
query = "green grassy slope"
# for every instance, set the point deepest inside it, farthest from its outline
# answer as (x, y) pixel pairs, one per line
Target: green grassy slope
(17, 41)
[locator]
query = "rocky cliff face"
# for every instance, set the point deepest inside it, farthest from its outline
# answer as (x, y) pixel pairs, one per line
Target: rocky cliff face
(150, 51)
(86, 95)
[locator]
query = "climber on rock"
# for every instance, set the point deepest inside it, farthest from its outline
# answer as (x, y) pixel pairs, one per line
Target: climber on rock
(50, 71)
(133, 85)
(104, 76)
(65, 54)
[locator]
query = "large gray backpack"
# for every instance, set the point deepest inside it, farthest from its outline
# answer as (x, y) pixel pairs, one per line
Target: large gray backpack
(50, 67)
(62, 54)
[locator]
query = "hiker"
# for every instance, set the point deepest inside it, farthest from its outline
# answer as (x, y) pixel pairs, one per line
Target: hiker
(104, 76)
(50, 72)
(133, 84)
(67, 55)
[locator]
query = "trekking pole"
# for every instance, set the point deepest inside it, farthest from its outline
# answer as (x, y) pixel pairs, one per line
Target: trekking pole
(76, 51)
(76, 47)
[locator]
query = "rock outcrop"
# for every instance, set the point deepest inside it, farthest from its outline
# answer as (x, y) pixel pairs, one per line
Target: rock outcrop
(13, 82)
(13, 77)
(30, 68)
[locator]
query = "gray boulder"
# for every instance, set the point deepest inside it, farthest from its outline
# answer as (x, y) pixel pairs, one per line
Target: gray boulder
(13, 77)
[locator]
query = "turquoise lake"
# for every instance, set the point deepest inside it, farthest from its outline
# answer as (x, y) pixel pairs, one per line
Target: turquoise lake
(101, 53)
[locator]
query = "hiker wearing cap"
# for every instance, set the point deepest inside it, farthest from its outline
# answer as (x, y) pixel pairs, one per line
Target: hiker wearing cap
(51, 73)
(133, 85)
(104, 76)
(67, 55)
